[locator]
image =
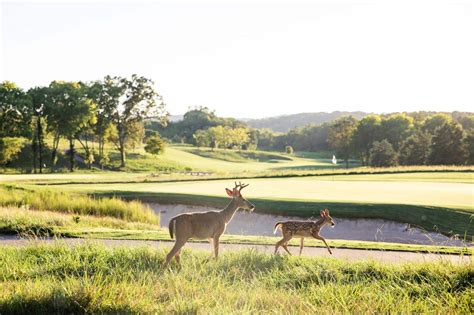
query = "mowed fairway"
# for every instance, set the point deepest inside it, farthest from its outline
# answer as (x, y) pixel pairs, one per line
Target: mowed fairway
(334, 189)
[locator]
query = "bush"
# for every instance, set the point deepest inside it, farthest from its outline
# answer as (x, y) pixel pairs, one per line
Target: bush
(289, 149)
(155, 145)
(382, 154)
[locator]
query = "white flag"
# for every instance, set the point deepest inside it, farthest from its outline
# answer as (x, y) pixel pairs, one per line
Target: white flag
(334, 160)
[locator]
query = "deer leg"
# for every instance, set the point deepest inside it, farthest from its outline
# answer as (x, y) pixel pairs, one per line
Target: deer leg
(301, 245)
(282, 242)
(216, 247)
(285, 247)
(176, 248)
(178, 256)
(319, 237)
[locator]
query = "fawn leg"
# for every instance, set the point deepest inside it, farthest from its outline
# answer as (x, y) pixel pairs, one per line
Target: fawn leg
(301, 245)
(282, 242)
(319, 237)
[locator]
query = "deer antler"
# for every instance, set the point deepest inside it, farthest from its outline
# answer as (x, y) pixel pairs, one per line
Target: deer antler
(240, 186)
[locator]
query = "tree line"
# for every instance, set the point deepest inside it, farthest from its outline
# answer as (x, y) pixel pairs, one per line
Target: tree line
(108, 110)
(417, 138)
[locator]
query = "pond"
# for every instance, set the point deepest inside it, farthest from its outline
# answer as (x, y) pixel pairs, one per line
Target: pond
(245, 223)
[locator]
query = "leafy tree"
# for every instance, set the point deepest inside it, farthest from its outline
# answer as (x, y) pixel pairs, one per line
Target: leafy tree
(289, 149)
(435, 121)
(218, 137)
(9, 148)
(446, 145)
(382, 154)
(237, 136)
(415, 149)
(155, 145)
(340, 136)
(469, 147)
(202, 138)
(15, 111)
(138, 101)
(67, 110)
(367, 131)
(38, 97)
(396, 128)
(106, 95)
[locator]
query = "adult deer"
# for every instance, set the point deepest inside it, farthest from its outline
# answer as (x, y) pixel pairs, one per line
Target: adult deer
(206, 225)
(303, 229)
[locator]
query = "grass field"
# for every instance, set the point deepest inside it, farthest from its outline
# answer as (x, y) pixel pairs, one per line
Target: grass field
(94, 279)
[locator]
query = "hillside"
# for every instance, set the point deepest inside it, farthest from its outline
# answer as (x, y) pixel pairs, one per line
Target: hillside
(286, 122)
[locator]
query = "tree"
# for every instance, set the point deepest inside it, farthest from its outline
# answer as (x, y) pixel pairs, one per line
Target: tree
(340, 136)
(396, 128)
(289, 149)
(15, 111)
(106, 95)
(218, 136)
(202, 138)
(9, 148)
(382, 154)
(38, 97)
(155, 145)
(433, 122)
(67, 110)
(446, 145)
(367, 131)
(469, 147)
(138, 101)
(237, 136)
(415, 149)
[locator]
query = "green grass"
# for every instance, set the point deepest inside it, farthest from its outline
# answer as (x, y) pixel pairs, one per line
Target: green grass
(94, 279)
(47, 223)
(45, 199)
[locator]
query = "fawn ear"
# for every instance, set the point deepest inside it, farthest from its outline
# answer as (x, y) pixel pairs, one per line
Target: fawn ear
(327, 212)
(322, 213)
(229, 192)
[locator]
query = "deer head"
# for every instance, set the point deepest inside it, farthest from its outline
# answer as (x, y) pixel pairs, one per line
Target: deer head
(237, 195)
(327, 218)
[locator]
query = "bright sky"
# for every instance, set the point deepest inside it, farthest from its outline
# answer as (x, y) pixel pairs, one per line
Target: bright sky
(254, 58)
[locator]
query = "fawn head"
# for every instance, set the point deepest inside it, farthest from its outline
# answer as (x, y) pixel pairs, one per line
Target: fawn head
(237, 195)
(327, 218)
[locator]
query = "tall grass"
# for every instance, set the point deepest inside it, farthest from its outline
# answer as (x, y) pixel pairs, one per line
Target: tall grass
(94, 279)
(43, 199)
(47, 223)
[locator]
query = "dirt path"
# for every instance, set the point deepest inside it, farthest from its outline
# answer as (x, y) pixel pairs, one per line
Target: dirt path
(341, 253)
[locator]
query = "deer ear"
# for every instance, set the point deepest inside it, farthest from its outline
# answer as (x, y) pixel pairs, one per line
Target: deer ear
(322, 213)
(327, 212)
(229, 192)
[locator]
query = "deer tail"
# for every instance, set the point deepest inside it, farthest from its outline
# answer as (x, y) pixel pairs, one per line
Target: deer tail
(278, 225)
(171, 226)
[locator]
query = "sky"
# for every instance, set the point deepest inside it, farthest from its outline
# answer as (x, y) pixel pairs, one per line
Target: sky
(253, 59)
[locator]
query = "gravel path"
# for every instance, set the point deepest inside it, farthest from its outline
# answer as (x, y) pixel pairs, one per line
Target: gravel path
(341, 253)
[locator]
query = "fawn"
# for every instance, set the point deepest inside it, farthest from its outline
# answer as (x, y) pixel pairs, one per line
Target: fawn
(303, 229)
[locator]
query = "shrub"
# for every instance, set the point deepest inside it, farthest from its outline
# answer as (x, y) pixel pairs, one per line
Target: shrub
(155, 145)
(289, 149)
